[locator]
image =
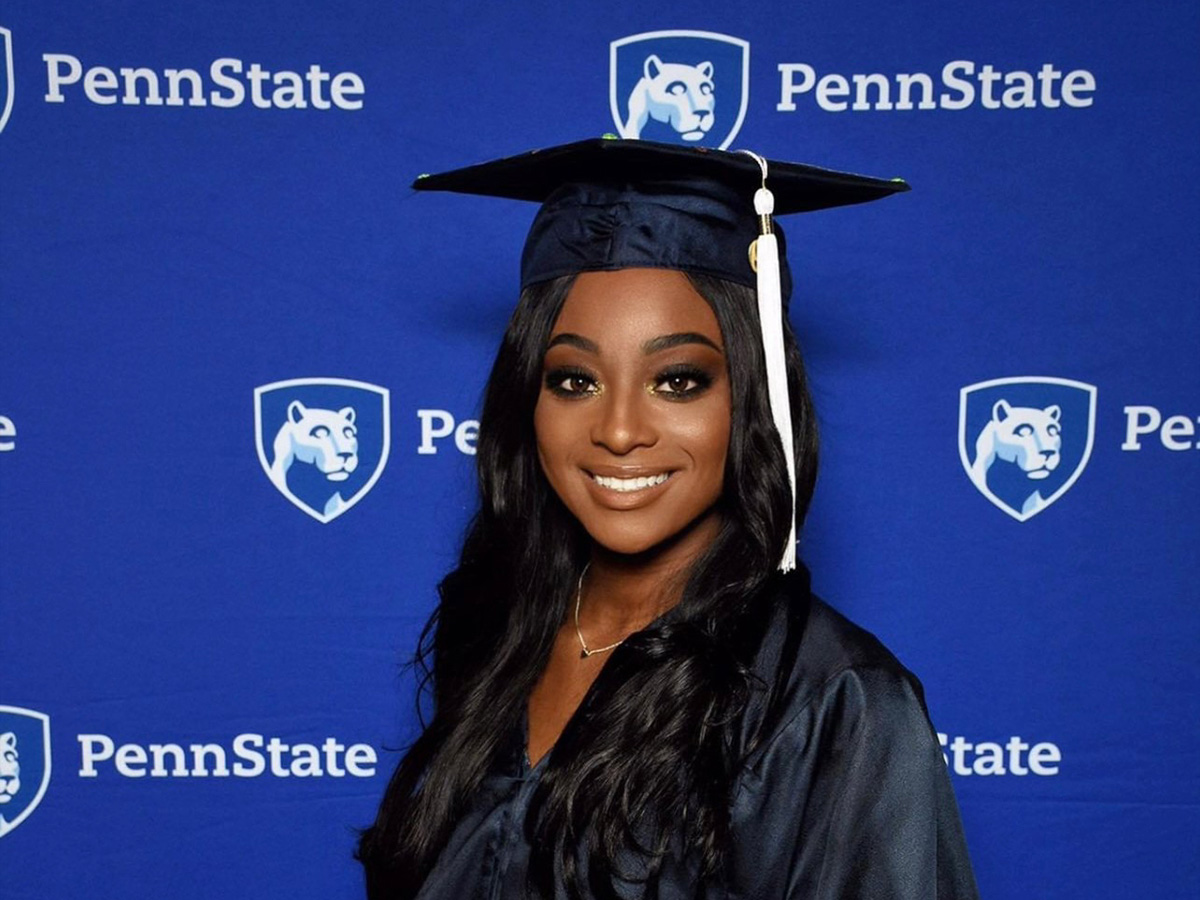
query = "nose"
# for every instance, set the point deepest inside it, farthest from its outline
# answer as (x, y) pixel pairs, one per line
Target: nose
(622, 423)
(345, 455)
(1049, 454)
(703, 114)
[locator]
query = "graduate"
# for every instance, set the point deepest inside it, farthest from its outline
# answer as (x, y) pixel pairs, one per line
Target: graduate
(635, 693)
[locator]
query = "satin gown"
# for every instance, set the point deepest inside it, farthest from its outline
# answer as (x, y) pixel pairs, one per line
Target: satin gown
(845, 798)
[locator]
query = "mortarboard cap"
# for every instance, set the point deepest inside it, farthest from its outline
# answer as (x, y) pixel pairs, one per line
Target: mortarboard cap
(617, 204)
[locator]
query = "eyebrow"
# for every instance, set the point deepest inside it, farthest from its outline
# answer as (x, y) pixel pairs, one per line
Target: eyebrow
(575, 340)
(654, 345)
(667, 341)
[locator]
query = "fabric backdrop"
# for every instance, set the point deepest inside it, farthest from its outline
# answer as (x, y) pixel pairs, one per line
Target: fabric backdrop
(211, 261)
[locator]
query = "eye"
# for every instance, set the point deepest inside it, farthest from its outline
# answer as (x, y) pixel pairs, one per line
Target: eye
(349, 432)
(677, 384)
(571, 383)
(678, 88)
(1052, 430)
(319, 432)
(1023, 430)
(706, 89)
(682, 382)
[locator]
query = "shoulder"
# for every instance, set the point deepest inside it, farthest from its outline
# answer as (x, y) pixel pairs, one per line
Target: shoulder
(842, 790)
(817, 670)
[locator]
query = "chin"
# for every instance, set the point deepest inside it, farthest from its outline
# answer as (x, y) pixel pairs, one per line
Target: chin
(627, 544)
(632, 541)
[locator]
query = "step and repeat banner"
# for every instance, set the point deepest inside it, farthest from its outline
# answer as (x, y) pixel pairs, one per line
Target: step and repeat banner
(241, 365)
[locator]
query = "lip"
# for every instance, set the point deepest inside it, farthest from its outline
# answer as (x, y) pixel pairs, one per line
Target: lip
(614, 499)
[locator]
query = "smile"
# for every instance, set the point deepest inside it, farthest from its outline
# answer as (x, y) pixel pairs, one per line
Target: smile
(627, 485)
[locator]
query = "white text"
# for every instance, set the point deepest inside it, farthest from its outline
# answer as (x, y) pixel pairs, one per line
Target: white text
(134, 86)
(958, 87)
(1015, 757)
(1175, 433)
(255, 755)
(438, 423)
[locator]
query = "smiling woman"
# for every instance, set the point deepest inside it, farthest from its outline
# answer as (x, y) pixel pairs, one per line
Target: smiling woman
(633, 695)
(632, 421)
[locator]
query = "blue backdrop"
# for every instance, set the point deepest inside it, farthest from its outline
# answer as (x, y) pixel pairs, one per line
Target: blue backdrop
(205, 599)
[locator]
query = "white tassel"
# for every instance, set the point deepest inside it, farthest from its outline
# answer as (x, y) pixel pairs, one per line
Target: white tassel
(770, 316)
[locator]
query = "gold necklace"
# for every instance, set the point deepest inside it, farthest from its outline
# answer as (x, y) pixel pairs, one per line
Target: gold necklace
(584, 652)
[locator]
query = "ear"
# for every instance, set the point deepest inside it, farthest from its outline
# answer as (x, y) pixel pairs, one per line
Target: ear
(705, 68)
(1053, 412)
(8, 740)
(296, 411)
(652, 67)
(1001, 411)
(347, 413)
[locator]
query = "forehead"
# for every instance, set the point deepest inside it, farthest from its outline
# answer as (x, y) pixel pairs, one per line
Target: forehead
(637, 303)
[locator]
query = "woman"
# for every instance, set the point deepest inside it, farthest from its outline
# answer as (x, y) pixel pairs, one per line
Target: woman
(630, 700)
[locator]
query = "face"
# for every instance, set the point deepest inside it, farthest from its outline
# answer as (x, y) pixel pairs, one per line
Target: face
(633, 417)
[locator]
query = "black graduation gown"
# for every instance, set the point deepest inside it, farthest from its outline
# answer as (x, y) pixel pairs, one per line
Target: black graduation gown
(845, 798)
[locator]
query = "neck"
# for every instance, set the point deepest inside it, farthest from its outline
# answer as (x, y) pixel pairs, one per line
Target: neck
(624, 592)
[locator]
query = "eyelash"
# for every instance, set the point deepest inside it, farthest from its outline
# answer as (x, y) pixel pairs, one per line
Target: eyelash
(687, 373)
(557, 378)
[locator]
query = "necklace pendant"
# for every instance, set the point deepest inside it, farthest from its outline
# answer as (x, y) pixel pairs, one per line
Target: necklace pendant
(583, 654)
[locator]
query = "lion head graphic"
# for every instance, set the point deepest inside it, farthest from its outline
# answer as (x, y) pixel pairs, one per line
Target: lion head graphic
(1028, 439)
(676, 94)
(10, 768)
(325, 439)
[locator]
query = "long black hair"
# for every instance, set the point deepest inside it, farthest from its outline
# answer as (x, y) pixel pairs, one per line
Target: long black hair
(646, 759)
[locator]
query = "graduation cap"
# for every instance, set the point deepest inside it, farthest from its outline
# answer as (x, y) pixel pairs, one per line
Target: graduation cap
(609, 204)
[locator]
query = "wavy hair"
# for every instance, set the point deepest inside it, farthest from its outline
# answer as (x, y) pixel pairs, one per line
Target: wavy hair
(647, 760)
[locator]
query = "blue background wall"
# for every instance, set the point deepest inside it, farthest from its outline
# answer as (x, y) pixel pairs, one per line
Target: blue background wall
(159, 263)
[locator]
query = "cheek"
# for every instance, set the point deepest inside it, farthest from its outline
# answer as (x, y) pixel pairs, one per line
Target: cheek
(704, 433)
(551, 432)
(718, 452)
(720, 427)
(539, 432)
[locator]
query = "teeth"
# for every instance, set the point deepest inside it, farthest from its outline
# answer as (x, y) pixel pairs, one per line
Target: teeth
(630, 484)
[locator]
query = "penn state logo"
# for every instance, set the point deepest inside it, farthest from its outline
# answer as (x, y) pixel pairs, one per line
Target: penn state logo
(680, 87)
(24, 764)
(1025, 441)
(323, 442)
(6, 76)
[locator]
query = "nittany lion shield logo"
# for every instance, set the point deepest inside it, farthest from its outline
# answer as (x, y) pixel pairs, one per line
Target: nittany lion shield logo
(1025, 441)
(323, 442)
(24, 764)
(6, 78)
(680, 87)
